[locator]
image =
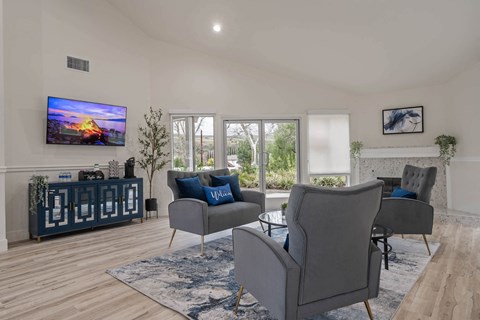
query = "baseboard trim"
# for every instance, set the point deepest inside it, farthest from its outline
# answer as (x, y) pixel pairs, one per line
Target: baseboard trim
(17, 235)
(3, 245)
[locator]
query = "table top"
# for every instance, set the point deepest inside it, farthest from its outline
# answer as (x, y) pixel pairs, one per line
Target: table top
(381, 232)
(274, 218)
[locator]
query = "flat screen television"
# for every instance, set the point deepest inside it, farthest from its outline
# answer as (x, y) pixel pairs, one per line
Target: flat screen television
(85, 123)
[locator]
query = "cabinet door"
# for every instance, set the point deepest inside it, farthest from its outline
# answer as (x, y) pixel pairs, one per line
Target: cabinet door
(54, 217)
(84, 205)
(109, 202)
(130, 199)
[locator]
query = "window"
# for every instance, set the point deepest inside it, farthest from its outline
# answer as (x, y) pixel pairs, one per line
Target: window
(264, 153)
(329, 149)
(193, 147)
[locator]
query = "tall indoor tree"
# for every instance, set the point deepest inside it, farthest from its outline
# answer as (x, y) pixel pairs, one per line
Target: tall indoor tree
(152, 138)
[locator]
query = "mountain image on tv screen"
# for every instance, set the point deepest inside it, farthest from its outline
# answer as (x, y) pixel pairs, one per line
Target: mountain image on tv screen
(86, 123)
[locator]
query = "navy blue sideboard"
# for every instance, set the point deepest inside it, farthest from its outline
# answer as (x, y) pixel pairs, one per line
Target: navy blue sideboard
(70, 206)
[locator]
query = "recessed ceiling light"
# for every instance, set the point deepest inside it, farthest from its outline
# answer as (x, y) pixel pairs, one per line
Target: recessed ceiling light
(217, 27)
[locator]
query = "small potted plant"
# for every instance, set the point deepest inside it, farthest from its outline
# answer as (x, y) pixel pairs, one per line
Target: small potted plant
(283, 206)
(38, 190)
(447, 145)
(153, 138)
(355, 150)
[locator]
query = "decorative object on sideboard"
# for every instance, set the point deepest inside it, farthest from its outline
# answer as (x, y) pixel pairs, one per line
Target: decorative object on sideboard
(152, 137)
(38, 190)
(356, 151)
(448, 147)
(130, 168)
(403, 120)
(113, 170)
(65, 176)
(90, 175)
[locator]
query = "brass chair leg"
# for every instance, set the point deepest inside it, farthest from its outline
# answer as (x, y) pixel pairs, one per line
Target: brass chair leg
(171, 239)
(201, 245)
(239, 295)
(426, 242)
(367, 305)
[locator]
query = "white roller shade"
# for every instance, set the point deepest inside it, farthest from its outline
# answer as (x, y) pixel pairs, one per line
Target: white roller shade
(329, 144)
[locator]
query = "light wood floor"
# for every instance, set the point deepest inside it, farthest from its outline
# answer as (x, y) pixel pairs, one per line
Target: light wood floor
(64, 277)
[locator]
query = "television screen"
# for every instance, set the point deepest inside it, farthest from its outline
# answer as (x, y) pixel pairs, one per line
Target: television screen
(86, 123)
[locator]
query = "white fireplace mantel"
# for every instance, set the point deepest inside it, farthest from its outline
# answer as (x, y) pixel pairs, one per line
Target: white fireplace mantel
(400, 152)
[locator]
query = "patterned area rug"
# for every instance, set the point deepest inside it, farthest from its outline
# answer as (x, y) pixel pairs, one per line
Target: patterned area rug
(205, 287)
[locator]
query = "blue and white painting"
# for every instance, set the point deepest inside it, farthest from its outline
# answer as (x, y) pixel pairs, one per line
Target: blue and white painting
(403, 120)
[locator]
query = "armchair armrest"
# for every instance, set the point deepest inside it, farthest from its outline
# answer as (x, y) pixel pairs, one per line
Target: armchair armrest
(374, 272)
(189, 214)
(406, 216)
(255, 197)
(267, 271)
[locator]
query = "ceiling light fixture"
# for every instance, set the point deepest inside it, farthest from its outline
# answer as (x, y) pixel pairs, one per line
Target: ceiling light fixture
(217, 27)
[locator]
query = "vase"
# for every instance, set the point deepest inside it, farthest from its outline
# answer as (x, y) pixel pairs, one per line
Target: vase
(151, 204)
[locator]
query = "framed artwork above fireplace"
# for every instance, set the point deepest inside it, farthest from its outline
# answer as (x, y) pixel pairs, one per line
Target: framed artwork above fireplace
(403, 120)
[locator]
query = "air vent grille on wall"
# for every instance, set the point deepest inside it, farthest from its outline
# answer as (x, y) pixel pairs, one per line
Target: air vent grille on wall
(78, 64)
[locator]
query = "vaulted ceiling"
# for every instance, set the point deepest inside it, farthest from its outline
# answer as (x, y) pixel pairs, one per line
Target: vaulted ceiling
(362, 46)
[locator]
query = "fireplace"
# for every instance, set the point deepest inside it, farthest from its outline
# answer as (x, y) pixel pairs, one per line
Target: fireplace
(390, 185)
(387, 164)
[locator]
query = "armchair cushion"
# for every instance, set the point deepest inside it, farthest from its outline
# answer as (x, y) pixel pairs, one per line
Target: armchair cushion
(191, 188)
(218, 195)
(218, 181)
(402, 193)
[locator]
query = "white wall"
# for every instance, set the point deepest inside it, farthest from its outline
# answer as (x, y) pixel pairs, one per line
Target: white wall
(127, 68)
(188, 81)
(38, 37)
(3, 234)
(367, 124)
(367, 118)
(463, 116)
(452, 109)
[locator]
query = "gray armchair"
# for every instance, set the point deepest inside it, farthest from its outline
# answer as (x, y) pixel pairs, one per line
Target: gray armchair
(410, 216)
(331, 260)
(196, 216)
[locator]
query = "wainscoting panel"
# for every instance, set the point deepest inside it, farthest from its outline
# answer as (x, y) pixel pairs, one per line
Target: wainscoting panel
(464, 185)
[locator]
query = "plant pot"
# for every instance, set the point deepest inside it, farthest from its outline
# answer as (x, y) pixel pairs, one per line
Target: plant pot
(151, 204)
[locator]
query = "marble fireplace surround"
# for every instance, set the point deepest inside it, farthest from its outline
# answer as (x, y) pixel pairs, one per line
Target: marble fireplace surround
(389, 162)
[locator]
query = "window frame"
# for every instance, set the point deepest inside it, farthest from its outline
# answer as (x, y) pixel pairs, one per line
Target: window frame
(191, 117)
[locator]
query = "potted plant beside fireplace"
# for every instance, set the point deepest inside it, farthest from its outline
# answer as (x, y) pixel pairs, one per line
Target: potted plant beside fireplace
(447, 146)
(152, 138)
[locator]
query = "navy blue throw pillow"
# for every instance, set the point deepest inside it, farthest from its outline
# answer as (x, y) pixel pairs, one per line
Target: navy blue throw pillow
(218, 195)
(286, 243)
(190, 188)
(218, 181)
(402, 193)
